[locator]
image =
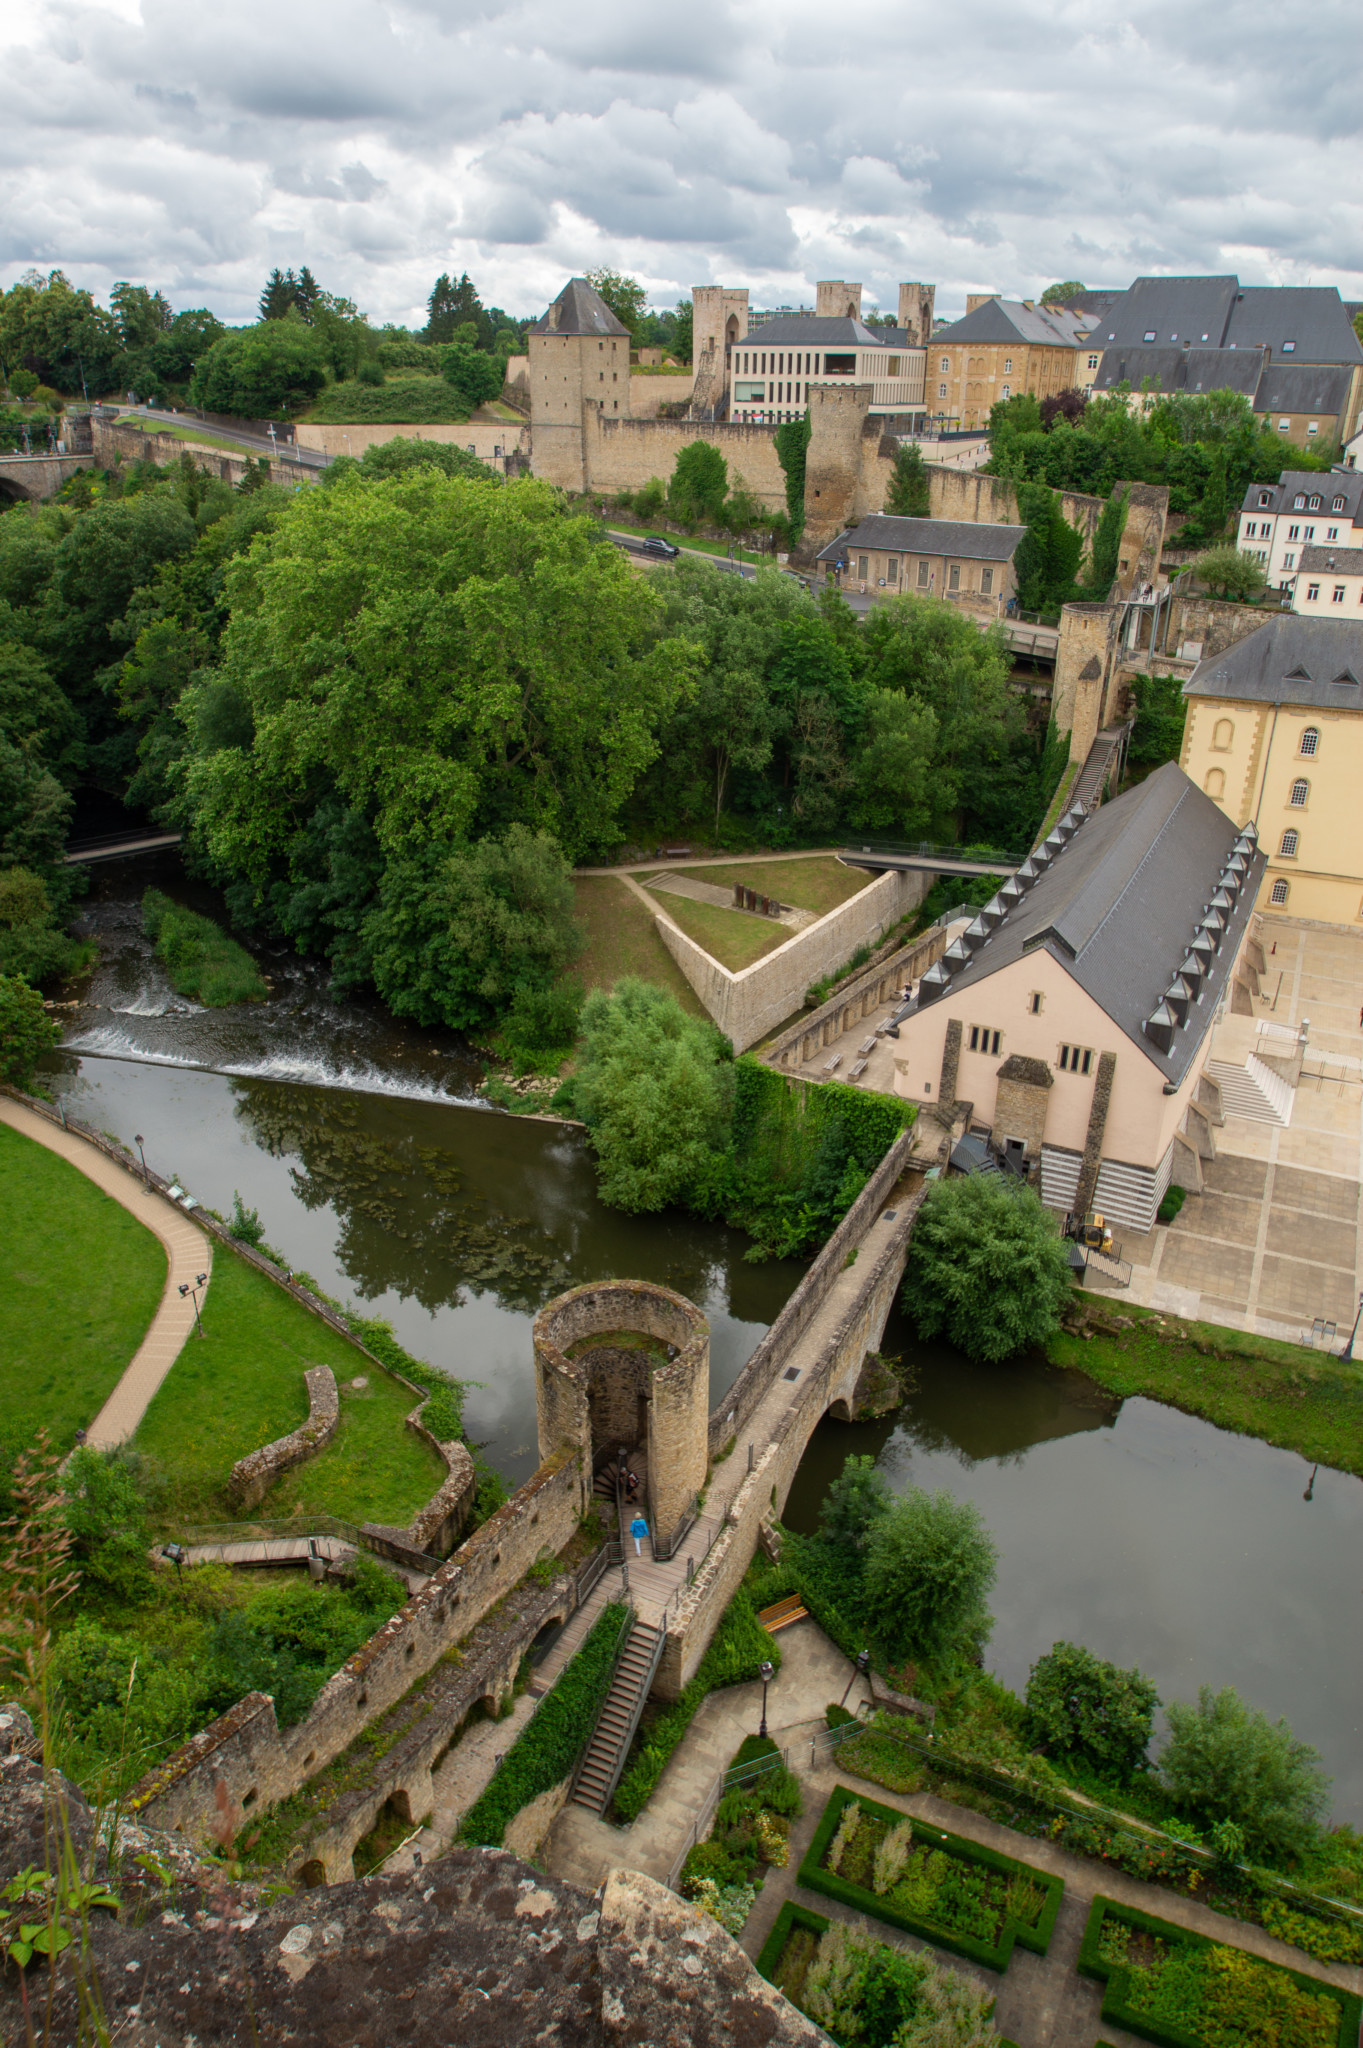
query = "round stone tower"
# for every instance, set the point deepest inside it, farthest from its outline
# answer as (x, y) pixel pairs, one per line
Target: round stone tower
(622, 1365)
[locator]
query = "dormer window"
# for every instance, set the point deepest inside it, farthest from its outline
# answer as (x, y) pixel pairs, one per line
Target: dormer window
(1299, 503)
(1336, 504)
(1315, 504)
(1288, 347)
(1265, 498)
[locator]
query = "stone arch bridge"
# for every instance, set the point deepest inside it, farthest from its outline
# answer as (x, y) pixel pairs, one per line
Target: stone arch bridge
(34, 477)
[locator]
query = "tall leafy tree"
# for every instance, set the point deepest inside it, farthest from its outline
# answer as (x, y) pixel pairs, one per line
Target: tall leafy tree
(655, 1090)
(930, 1568)
(987, 1269)
(699, 482)
(624, 295)
(272, 370)
(1057, 294)
(909, 495)
(449, 306)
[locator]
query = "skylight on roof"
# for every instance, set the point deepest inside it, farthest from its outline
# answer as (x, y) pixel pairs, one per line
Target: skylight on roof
(1298, 674)
(1288, 347)
(1347, 676)
(1150, 335)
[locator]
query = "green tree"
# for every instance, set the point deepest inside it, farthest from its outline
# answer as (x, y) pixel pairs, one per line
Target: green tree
(1231, 572)
(855, 1502)
(475, 376)
(30, 943)
(1161, 713)
(190, 335)
(1080, 1706)
(262, 372)
(1227, 1762)
(893, 769)
(791, 442)
(932, 654)
(49, 326)
(909, 494)
(682, 344)
(654, 1088)
(461, 932)
(449, 306)
(987, 1268)
(624, 295)
(1057, 294)
(26, 1031)
(1047, 559)
(930, 1567)
(699, 482)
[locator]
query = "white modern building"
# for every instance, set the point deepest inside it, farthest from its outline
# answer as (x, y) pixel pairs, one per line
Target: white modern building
(1306, 508)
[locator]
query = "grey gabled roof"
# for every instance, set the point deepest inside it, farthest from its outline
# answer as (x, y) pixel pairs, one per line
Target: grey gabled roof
(1218, 312)
(1344, 561)
(816, 330)
(1119, 905)
(1008, 320)
(1303, 387)
(956, 538)
(1315, 663)
(579, 309)
(1327, 485)
(1181, 369)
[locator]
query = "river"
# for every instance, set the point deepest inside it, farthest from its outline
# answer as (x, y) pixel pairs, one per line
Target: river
(1154, 1538)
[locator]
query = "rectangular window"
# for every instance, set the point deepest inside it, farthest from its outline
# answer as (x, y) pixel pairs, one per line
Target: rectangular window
(1314, 428)
(1076, 1059)
(922, 575)
(1289, 561)
(1312, 592)
(986, 582)
(982, 1039)
(892, 569)
(1332, 533)
(750, 394)
(954, 576)
(1093, 362)
(945, 364)
(1279, 892)
(861, 567)
(941, 390)
(1337, 594)
(1309, 533)
(1294, 533)
(1008, 367)
(892, 366)
(1290, 843)
(1283, 426)
(1034, 1002)
(1007, 392)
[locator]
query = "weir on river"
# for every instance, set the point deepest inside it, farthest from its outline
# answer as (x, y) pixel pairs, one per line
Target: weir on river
(1152, 1537)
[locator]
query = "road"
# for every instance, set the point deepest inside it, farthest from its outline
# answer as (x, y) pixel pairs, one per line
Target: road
(253, 444)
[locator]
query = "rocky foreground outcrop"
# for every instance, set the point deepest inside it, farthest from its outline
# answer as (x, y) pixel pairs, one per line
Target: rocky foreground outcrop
(476, 1949)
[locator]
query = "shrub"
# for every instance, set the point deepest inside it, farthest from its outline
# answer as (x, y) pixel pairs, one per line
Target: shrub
(1226, 1761)
(987, 1268)
(855, 1501)
(547, 1747)
(653, 1088)
(246, 1226)
(26, 1031)
(1083, 1707)
(201, 960)
(1230, 572)
(930, 1566)
(104, 1510)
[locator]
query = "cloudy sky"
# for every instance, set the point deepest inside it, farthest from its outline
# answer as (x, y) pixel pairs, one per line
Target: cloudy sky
(994, 144)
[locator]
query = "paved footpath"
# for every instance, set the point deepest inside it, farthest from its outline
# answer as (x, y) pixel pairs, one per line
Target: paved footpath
(188, 1252)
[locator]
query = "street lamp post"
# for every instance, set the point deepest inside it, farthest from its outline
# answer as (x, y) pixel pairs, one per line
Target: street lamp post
(767, 1672)
(1348, 1350)
(200, 1280)
(146, 1177)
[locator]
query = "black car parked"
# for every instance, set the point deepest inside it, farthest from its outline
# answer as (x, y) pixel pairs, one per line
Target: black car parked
(654, 544)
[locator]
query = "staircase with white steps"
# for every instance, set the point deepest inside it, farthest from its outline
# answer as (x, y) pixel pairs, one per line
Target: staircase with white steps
(1253, 1091)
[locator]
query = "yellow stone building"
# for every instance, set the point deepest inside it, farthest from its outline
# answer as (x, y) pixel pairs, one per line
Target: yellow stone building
(1001, 348)
(1274, 735)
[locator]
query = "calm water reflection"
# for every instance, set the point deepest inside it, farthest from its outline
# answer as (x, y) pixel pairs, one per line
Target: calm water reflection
(1154, 1538)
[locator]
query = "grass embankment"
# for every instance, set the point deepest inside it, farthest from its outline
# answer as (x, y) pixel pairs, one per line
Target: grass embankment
(819, 883)
(418, 400)
(733, 937)
(1298, 1399)
(241, 1385)
(201, 960)
(622, 938)
(80, 1280)
(199, 437)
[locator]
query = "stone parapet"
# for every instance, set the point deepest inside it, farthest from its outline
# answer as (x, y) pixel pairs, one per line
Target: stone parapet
(254, 1475)
(879, 983)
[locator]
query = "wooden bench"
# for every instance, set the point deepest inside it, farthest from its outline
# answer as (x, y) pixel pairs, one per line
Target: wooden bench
(867, 1045)
(830, 1065)
(783, 1614)
(856, 1071)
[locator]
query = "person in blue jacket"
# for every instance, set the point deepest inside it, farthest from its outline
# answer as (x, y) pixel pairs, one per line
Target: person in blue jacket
(638, 1529)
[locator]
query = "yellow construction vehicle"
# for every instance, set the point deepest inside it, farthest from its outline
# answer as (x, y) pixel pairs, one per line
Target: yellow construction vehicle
(1094, 1234)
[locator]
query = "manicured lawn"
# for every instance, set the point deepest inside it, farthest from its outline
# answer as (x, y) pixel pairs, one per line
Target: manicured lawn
(819, 884)
(1284, 1393)
(730, 937)
(79, 1283)
(241, 1385)
(622, 938)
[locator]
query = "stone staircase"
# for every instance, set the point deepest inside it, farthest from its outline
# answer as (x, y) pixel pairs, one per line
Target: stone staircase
(619, 1717)
(1253, 1091)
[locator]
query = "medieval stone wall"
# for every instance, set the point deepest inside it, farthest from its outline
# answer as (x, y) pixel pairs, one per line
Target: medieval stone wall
(623, 454)
(254, 1475)
(752, 1001)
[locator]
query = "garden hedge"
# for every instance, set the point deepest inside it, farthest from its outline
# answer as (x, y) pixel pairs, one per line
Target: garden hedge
(996, 1956)
(547, 1748)
(787, 1920)
(1092, 1964)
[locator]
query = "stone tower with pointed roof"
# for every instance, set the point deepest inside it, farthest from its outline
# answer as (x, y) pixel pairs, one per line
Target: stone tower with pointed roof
(579, 358)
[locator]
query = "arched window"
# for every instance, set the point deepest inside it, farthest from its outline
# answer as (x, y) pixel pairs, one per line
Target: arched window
(1278, 893)
(1301, 789)
(1310, 740)
(1289, 845)
(1215, 784)
(1223, 733)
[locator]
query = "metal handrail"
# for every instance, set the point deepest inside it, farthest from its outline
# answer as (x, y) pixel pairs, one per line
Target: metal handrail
(627, 1621)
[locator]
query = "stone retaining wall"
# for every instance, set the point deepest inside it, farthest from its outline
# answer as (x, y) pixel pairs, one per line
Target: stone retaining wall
(749, 1003)
(879, 984)
(253, 1476)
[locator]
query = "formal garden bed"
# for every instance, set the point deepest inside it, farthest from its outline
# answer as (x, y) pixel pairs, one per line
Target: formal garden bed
(750, 1835)
(1180, 1989)
(947, 1890)
(861, 1990)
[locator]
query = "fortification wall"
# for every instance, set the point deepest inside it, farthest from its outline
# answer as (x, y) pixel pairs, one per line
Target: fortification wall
(254, 1475)
(646, 394)
(487, 439)
(854, 1002)
(112, 443)
(828, 1377)
(748, 1004)
(623, 454)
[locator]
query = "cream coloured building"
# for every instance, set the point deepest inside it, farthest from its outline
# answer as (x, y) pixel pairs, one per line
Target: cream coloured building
(1073, 1016)
(1329, 583)
(1305, 508)
(1274, 735)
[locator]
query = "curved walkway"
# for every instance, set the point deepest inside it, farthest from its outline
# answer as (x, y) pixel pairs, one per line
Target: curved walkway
(188, 1252)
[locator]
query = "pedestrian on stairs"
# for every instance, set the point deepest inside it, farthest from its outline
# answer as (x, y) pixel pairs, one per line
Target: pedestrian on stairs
(638, 1529)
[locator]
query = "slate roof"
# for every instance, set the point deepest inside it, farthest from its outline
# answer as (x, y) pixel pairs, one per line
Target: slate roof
(1008, 320)
(1218, 312)
(1119, 905)
(957, 538)
(579, 309)
(1344, 561)
(1303, 387)
(1315, 663)
(1308, 484)
(819, 330)
(1182, 369)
